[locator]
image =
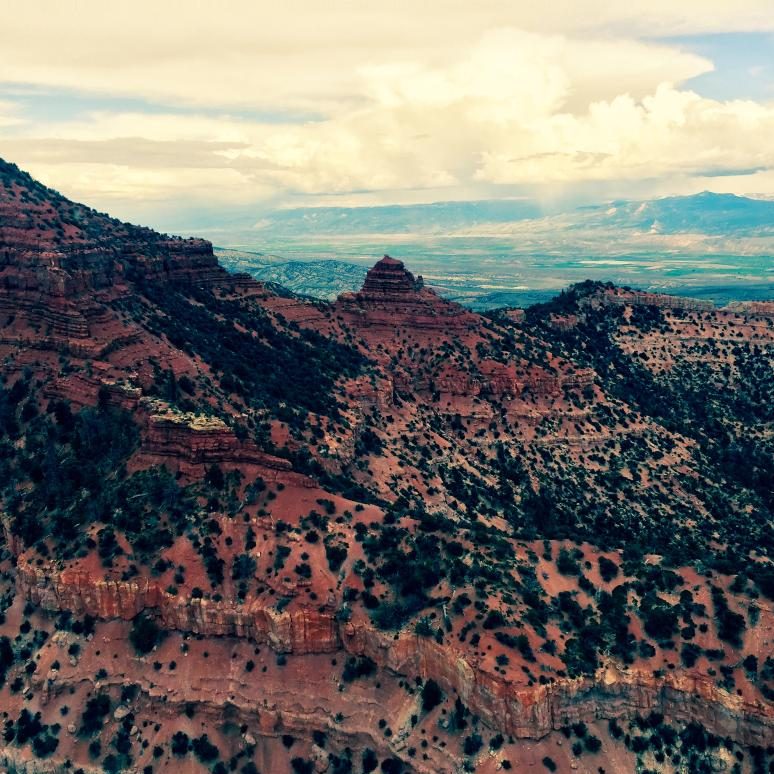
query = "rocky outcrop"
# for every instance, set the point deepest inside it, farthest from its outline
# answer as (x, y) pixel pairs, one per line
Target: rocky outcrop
(389, 279)
(528, 712)
(367, 392)
(391, 297)
(15, 762)
(502, 380)
(297, 628)
(189, 442)
(183, 261)
(563, 322)
(82, 389)
(622, 297)
(267, 709)
(532, 712)
(42, 286)
(61, 263)
(751, 308)
(498, 380)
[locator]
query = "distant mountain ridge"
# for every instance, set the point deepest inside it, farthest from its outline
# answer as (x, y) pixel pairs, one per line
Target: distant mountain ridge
(488, 253)
(436, 217)
(706, 212)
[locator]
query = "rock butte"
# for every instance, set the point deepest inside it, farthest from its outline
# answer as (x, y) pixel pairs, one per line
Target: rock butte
(392, 297)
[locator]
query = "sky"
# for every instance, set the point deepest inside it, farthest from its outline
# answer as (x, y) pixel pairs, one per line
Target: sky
(169, 113)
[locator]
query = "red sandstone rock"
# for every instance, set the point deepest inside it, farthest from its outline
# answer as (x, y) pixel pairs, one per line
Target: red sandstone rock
(192, 442)
(516, 710)
(392, 297)
(300, 628)
(621, 297)
(753, 308)
(60, 262)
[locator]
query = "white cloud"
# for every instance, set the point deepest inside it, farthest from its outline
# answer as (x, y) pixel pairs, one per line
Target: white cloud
(402, 97)
(9, 115)
(298, 53)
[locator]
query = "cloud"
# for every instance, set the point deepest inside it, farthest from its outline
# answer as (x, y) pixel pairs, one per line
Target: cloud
(9, 114)
(670, 132)
(450, 98)
(520, 108)
(138, 152)
(299, 54)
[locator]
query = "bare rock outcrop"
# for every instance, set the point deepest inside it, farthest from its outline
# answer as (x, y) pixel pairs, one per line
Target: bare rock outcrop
(296, 628)
(391, 297)
(190, 443)
(515, 709)
(623, 297)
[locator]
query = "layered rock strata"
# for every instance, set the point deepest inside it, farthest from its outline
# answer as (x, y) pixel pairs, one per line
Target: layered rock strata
(391, 297)
(521, 711)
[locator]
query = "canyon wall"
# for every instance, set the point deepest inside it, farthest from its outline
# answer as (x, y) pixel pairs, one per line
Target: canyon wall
(298, 628)
(518, 710)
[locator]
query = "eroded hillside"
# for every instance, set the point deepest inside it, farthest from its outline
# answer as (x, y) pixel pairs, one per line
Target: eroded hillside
(245, 532)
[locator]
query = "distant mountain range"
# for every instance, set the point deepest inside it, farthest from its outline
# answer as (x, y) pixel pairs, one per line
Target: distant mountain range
(491, 253)
(707, 213)
(436, 218)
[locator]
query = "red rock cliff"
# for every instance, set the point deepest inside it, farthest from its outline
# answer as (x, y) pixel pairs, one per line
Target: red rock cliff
(524, 712)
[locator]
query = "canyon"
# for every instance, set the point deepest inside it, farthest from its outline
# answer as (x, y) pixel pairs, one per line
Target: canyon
(381, 532)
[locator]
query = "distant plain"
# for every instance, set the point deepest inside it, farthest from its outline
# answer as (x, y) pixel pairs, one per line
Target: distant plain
(710, 246)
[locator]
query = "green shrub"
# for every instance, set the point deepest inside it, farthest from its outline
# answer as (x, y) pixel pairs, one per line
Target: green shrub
(204, 750)
(179, 744)
(145, 634)
(472, 744)
(566, 563)
(358, 666)
(97, 707)
(432, 695)
(301, 766)
(608, 569)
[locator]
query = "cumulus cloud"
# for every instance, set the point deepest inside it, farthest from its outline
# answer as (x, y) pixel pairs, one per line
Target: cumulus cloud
(522, 108)
(254, 102)
(302, 54)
